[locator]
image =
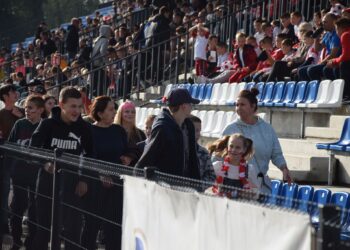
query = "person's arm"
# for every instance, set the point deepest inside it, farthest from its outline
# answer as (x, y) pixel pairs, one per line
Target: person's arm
(345, 55)
(333, 54)
(13, 134)
(40, 134)
(277, 158)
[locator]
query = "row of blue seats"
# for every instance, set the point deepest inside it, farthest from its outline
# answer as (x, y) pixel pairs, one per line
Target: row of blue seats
(343, 144)
(306, 199)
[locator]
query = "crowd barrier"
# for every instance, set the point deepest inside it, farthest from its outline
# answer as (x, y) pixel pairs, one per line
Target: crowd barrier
(66, 210)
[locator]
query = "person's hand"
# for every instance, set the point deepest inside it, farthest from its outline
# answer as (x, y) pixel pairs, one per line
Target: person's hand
(49, 167)
(107, 181)
(16, 112)
(286, 176)
(289, 64)
(126, 160)
(329, 64)
(81, 189)
(210, 58)
(294, 71)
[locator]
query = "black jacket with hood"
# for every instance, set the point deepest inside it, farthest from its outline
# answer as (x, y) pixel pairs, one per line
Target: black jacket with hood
(165, 149)
(74, 138)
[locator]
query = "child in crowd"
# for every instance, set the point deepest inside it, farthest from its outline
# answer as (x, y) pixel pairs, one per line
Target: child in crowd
(201, 35)
(251, 40)
(212, 54)
(336, 8)
(206, 169)
(259, 34)
(276, 29)
(296, 19)
(236, 150)
(23, 175)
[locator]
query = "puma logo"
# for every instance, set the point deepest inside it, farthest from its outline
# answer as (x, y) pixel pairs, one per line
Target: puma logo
(73, 136)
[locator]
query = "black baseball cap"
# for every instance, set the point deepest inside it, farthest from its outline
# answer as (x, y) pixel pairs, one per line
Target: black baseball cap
(180, 96)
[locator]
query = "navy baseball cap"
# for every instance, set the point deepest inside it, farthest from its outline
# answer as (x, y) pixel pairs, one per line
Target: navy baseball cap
(180, 96)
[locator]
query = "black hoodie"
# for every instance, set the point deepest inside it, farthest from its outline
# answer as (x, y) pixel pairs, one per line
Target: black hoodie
(165, 149)
(74, 138)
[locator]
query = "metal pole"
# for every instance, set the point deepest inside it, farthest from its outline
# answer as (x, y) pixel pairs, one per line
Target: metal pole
(55, 243)
(177, 61)
(331, 160)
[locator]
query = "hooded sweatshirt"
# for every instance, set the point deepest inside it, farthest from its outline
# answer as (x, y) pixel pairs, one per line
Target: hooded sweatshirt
(100, 46)
(265, 143)
(166, 148)
(74, 138)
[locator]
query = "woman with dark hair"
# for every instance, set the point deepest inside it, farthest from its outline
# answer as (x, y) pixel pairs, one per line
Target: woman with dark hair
(266, 144)
(106, 193)
(50, 101)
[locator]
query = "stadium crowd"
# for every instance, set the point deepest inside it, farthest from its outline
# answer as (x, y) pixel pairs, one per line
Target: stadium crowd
(37, 115)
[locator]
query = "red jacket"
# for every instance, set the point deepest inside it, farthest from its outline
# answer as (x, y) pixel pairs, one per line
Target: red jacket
(345, 48)
(249, 58)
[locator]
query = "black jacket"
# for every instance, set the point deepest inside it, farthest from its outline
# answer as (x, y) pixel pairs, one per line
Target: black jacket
(75, 138)
(165, 149)
(72, 41)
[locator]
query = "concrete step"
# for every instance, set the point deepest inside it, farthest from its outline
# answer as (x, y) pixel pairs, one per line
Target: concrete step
(337, 121)
(303, 168)
(324, 133)
(157, 90)
(301, 147)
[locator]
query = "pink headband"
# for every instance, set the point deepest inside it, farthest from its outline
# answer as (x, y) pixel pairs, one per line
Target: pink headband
(127, 105)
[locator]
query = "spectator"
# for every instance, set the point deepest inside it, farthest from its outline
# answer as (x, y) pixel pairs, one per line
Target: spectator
(266, 144)
(251, 40)
(212, 54)
(276, 29)
(346, 13)
(267, 29)
(259, 34)
(336, 7)
(288, 27)
(148, 130)
(105, 195)
(47, 46)
(206, 169)
(125, 117)
(296, 20)
(343, 61)
(331, 43)
(9, 114)
(72, 40)
(49, 102)
(233, 170)
(201, 35)
(99, 52)
(172, 146)
(65, 130)
(317, 20)
(24, 175)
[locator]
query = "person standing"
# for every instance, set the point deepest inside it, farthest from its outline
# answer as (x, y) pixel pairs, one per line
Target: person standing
(65, 130)
(72, 40)
(8, 116)
(105, 196)
(266, 144)
(24, 175)
(172, 145)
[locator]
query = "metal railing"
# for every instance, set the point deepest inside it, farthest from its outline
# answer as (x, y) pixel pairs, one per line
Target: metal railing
(57, 201)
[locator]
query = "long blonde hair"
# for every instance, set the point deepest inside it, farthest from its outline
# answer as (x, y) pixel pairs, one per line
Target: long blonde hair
(134, 133)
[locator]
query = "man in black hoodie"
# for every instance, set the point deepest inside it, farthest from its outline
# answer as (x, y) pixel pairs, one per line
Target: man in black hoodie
(172, 145)
(65, 130)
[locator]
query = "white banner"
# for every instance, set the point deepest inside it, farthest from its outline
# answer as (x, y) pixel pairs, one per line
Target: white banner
(158, 218)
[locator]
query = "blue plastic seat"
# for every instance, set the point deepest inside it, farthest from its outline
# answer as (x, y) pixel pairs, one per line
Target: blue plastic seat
(194, 90)
(304, 197)
(276, 187)
(208, 90)
(342, 143)
(201, 91)
(268, 93)
(311, 93)
(321, 197)
(288, 96)
(278, 94)
(260, 86)
(249, 85)
(289, 194)
(187, 86)
(299, 95)
(341, 200)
